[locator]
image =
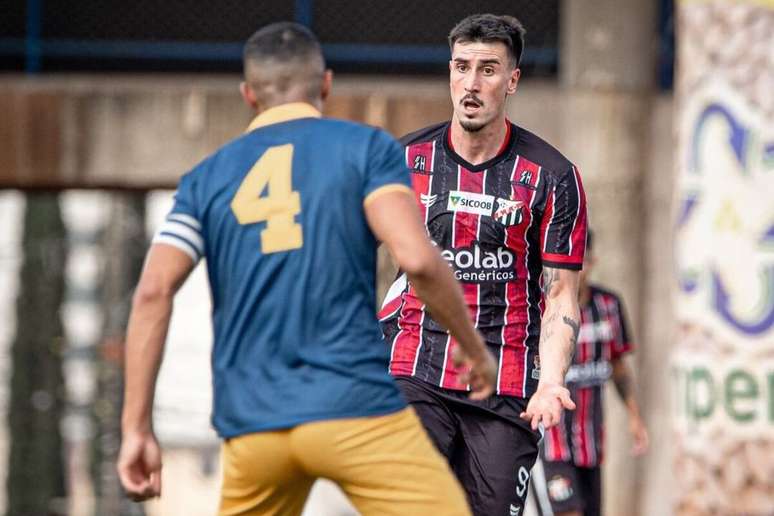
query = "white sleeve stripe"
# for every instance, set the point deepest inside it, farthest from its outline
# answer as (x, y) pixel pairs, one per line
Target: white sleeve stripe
(577, 211)
(185, 232)
(179, 243)
(396, 289)
(185, 219)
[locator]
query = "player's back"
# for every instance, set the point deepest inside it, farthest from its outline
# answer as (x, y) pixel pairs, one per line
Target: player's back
(292, 264)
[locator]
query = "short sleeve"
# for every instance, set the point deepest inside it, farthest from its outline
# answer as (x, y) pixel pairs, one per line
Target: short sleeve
(181, 227)
(621, 342)
(385, 167)
(563, 229)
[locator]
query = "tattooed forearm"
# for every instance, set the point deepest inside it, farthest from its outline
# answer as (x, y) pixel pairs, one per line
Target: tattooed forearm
(559, 325)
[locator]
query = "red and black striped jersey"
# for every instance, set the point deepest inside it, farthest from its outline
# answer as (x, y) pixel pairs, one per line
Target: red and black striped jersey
(603, 337)
(497, 224)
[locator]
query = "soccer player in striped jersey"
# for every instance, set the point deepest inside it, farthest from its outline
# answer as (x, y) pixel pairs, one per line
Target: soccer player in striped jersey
(568, 481)
(288, 217)
(508, 213)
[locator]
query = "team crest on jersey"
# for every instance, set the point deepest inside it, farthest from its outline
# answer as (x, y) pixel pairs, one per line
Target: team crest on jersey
(469, 202)
(509, 213)
(428, 200)
(559, 488)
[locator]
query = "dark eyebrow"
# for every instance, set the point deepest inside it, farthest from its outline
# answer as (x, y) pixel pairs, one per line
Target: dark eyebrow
(490, 61)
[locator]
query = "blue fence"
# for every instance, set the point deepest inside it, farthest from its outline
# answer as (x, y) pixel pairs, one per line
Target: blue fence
(44, 40)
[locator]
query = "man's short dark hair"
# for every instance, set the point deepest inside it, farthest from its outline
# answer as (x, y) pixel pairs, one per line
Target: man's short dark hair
(282, 42)
(282, 57)
(489, 28)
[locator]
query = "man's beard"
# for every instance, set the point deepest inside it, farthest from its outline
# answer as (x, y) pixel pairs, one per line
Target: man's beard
(472, 127)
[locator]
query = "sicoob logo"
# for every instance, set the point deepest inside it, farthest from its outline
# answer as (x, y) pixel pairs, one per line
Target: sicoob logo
(468, 202)
(475, 265)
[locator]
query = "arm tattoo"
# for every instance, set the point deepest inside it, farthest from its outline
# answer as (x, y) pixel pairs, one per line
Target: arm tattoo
(573, 324)
(547, 328)
(549, 277)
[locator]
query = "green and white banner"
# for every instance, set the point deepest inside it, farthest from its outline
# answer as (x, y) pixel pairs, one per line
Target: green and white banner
(723, 365)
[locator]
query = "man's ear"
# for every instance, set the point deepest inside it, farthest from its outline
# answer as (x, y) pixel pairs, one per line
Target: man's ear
(248, 95)
(513, 81)
(327, 84)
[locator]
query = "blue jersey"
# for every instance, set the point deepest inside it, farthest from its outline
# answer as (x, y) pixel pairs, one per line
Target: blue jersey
(278, 214)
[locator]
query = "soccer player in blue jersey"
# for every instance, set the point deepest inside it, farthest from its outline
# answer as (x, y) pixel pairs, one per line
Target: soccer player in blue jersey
(288, 217)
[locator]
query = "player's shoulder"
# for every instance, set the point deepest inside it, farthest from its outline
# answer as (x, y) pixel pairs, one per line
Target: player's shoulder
(539, 151)
(426, 134)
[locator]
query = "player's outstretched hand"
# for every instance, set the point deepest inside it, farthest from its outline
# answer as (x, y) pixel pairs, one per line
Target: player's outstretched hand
(546, 406)
(139, 466)
(482, 375)
(639, 434)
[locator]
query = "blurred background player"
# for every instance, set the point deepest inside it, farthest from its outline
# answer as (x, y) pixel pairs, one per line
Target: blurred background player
(508, 212)
(288, 217)
(567, 480)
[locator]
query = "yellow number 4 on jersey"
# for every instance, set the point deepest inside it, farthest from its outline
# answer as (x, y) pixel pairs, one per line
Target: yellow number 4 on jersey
(279, 207)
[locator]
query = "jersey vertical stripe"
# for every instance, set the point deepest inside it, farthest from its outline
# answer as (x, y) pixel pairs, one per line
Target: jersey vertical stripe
(532, 291)
(514, 352)
(548, 217)
(465, 234)
(430, 202)
(405, 345)
(573, 235)
(503, 336)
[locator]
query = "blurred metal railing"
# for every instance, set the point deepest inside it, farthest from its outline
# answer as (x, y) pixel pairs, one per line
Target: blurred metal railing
(351, 31)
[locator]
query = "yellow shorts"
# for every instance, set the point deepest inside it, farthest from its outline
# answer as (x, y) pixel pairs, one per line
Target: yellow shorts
(385, 465)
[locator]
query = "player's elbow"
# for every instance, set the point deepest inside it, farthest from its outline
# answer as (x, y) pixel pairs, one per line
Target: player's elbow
(152, 290)
(420, 263)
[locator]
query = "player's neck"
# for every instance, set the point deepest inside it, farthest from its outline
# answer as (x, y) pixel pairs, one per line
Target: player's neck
(315, 103)
(479, 146)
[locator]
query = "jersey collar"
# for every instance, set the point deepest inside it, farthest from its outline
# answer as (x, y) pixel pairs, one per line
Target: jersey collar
(283, 113)
(502, 154)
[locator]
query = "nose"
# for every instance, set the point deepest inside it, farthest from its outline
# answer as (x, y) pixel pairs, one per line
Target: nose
(472, 83)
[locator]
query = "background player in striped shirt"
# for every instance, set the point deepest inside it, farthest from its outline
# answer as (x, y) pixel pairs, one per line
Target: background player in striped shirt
(569, 483)
(508, 212)
(288, 217)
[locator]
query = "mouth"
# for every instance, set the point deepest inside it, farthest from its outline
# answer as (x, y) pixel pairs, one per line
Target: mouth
(471, 105)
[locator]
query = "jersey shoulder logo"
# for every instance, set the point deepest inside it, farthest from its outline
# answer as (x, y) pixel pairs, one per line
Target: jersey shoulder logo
(525, 180)
(428, 200)
(419, 165)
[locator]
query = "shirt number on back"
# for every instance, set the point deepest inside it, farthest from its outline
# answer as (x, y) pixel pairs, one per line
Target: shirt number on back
(279, 207)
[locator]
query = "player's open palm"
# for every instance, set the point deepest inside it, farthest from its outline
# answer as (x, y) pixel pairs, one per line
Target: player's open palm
(546, 406)
(139, 466)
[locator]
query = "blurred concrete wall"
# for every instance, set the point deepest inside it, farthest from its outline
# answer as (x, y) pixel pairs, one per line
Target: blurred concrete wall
(145, 132)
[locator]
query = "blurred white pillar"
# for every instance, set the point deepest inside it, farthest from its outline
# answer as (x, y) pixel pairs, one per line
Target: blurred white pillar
(723, 368)
(607, 71)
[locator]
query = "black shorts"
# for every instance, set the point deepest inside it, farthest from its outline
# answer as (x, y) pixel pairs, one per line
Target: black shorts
(490, 449)
(564, 487)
